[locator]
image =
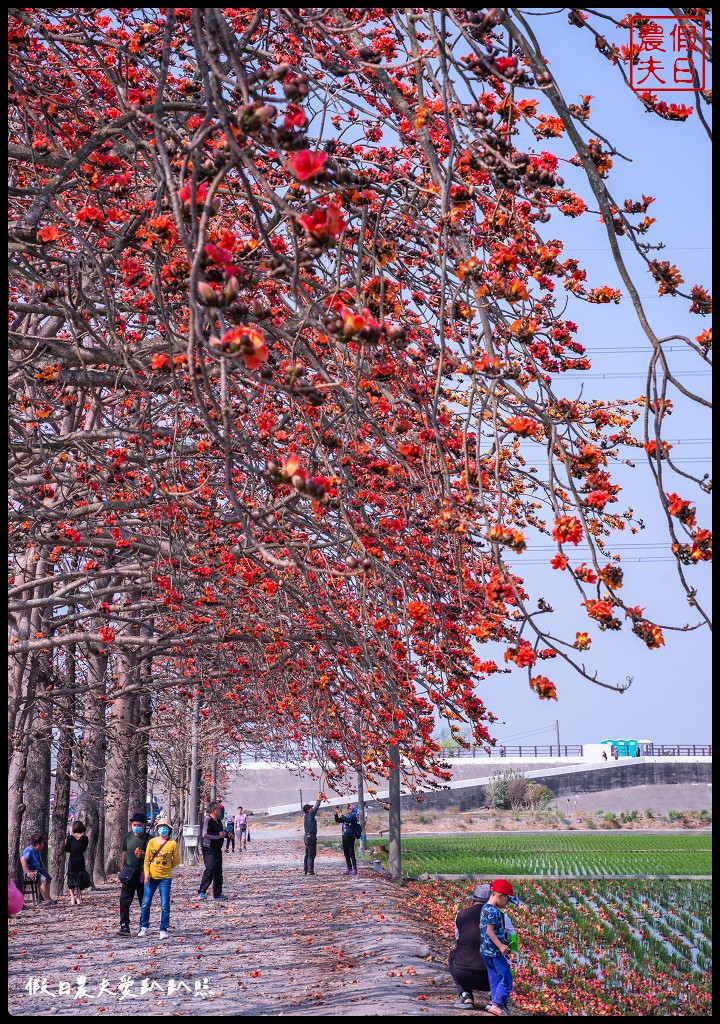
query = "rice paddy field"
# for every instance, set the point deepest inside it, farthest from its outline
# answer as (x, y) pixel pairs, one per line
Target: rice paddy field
(590, 855)
(599, 935)
(598, 947)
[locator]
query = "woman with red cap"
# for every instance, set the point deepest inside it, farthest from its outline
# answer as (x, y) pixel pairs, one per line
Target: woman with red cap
(494, 945)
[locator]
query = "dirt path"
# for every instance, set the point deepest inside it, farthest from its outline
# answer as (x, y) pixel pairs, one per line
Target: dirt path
(282, 944)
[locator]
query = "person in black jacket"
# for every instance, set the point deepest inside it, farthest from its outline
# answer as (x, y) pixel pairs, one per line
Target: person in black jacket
(213, 834)
(350, 831)
(310, 827)
(467, 966)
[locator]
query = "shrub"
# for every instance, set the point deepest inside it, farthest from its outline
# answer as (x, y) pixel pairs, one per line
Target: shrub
(517, 792)
(497, 794)
(544, 796)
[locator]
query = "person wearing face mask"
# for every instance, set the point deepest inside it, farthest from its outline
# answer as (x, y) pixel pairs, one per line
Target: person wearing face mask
(161, 856)
(131, 866)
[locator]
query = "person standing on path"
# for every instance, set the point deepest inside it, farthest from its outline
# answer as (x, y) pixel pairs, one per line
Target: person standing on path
(161, 856)
(350, 830)
(133, 858)
(212, 846)
(77, 875)
(229, 834)
(467, 966)
(494, 945)
(241, 827)
(310, 836)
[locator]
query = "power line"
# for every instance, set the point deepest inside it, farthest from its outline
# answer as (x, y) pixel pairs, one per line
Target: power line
(642, 558)
(611, 376)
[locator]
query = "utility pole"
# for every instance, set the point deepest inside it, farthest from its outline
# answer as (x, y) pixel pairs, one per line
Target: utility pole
(557, 733)
(193, 825)
(394, 815)
(194, 744)
(361, 810)
(213, 779)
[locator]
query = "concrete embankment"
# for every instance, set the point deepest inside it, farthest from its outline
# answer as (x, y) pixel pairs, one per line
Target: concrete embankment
(646, 783)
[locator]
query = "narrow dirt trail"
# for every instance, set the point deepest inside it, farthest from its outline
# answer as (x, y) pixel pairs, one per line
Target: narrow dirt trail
(283, 944)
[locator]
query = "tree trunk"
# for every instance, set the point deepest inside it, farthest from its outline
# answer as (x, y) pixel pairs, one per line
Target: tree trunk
(137, 791)
(36, 820)
(63, 769)
(16, 807)
(23, 673)
(90, 784)
(120, 764)
(394, 815)
(361, 809)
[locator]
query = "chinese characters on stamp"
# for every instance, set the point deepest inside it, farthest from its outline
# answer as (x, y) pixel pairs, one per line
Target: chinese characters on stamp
(668, 53)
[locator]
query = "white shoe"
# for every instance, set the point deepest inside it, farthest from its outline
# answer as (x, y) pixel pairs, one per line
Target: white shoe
(163, 935)
(143, 931)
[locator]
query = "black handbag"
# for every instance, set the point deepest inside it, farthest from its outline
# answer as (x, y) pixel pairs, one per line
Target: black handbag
(127, 874)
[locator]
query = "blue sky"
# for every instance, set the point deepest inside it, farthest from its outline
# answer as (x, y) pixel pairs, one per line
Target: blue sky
(669, 700)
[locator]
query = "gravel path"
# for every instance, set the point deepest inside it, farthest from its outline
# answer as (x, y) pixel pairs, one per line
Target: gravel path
(282, 945)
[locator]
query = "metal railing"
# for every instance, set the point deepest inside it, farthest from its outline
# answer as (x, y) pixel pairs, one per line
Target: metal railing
(681, 750)
(576, 750)
(526, 750)
(567, 750)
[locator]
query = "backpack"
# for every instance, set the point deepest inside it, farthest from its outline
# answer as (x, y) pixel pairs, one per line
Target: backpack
(355, 829)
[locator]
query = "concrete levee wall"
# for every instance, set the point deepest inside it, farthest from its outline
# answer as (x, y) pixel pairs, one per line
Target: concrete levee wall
(652, 783)
(261, 785)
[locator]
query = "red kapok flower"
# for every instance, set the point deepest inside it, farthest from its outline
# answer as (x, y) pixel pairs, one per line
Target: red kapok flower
(582, 641)
(49, 233)
(681, 509)
(567, 529)
(543, 688)
(651, 635)
(324, 222)
(524, 426)
(250, 341)
(305, 165)
(294, 116)
(523, 655)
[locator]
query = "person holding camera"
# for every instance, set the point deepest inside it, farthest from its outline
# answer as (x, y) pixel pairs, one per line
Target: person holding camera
(351, 830)
(310, 837)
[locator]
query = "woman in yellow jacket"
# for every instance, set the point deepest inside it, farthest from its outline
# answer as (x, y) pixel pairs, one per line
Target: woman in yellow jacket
(161, 856)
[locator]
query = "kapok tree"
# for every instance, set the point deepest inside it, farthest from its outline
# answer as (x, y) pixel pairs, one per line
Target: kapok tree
(284, 322)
